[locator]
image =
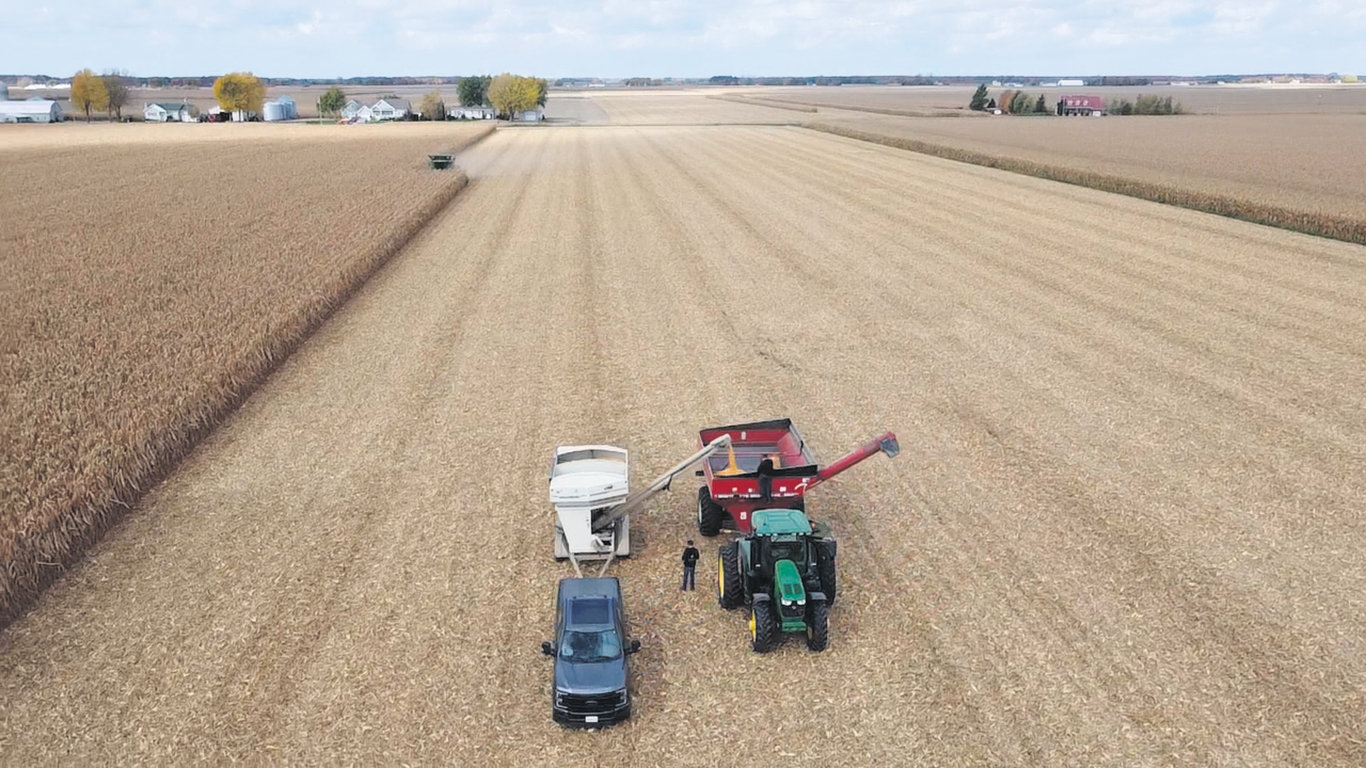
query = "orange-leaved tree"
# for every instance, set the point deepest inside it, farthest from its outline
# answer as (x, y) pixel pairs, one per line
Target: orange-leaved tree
(88, 92)
(240, 92)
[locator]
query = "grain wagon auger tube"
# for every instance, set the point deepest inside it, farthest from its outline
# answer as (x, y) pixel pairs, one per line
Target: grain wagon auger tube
(590, 488)
(767, 466)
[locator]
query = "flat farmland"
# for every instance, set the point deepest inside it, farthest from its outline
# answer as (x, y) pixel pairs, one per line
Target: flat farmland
(1124, 528)
(1298, 162)
(154, 274)
(1261, 99)
(661, 107)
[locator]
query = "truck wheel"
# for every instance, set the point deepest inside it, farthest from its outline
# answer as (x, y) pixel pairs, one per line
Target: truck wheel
(710, 515)
(763, 627)
(818, 626)
(730, 591)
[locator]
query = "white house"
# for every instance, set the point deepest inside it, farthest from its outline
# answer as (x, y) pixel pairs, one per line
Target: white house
(473, 113)
(391, 109)
(169, 113)
(30, 111)
(352, 109)
(529, 116)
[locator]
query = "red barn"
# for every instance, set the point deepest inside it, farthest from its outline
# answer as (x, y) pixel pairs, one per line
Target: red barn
(1081, 105)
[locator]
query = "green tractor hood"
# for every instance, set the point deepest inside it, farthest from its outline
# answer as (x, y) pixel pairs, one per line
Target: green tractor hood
(791, 596)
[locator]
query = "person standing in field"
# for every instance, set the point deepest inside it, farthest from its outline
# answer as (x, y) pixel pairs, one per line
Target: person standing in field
(690, 556)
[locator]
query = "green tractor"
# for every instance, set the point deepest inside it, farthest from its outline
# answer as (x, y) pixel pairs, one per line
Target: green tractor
(785, 570)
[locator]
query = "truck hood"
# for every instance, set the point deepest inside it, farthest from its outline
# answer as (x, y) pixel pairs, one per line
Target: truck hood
(599, 677)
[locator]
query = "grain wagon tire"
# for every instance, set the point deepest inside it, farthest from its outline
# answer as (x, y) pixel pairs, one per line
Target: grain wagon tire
(763, 627)
(730, 591)
(710, 515)
(828, 580)
(818, 626)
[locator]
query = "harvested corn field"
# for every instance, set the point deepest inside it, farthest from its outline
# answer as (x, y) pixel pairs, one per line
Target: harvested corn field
(1263, 99)
(1297, 164)
(1123, 530)
(156, 283)
(664, 107)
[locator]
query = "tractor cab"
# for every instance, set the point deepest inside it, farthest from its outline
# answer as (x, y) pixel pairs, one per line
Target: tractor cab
(779, 534)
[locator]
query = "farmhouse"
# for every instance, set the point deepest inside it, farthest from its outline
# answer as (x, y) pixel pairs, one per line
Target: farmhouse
(391, 109)
(352, 109)
(169, 113)
(30, 111)
(1089, 106)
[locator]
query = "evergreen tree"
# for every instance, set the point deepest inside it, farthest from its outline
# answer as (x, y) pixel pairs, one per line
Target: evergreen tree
(979, 99)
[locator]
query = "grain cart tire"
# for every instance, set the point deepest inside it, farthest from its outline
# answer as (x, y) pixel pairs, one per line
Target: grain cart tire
(730, 591)
(818, 626)
(763, 627)
(710, 515)
(825, 564)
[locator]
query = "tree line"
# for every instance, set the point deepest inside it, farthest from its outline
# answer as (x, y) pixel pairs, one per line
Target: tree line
(1010, 102)
(243, 92)
(1014, 102)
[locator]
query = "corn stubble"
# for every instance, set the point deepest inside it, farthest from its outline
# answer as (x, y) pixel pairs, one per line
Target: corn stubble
(1318, 198)
(154, 286)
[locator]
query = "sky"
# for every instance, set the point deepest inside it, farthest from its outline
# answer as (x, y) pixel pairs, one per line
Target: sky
(682, 38)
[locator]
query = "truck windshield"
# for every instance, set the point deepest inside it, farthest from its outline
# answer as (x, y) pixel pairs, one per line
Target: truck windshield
(591, 646)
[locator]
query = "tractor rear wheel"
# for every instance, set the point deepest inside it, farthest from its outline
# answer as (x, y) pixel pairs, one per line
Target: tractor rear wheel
(818, 626)
(763, 627)
(710, 515)
(730, 591)
(825, 566)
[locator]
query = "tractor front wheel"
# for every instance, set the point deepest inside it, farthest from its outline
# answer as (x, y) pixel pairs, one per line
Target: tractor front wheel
(710, 515)
(763, 627)
(818, 626)
(730, 591)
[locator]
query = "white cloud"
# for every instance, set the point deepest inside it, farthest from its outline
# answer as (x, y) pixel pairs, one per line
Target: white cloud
(309, 38)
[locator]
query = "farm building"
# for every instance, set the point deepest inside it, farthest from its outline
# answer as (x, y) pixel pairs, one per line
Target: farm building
(529, 116)
(30, 111)
(1089, 106)
(391, 109)
(170, 113)
(283, 108)
(4, 92)
(473, 113)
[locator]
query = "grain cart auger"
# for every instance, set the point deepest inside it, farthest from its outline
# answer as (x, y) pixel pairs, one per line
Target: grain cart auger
(590, 488)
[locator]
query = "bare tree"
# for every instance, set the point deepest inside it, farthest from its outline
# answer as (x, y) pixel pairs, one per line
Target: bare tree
(116, 85)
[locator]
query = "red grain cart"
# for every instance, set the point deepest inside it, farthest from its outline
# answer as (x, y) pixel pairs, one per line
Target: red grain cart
(768, 466)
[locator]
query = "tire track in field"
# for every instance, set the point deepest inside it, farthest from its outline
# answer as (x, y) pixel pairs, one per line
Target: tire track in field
(265, 671)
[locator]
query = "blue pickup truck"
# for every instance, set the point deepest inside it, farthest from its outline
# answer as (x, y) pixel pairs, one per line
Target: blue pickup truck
(592, 678)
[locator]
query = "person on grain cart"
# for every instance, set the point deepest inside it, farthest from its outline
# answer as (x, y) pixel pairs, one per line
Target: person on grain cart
(690, 556)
